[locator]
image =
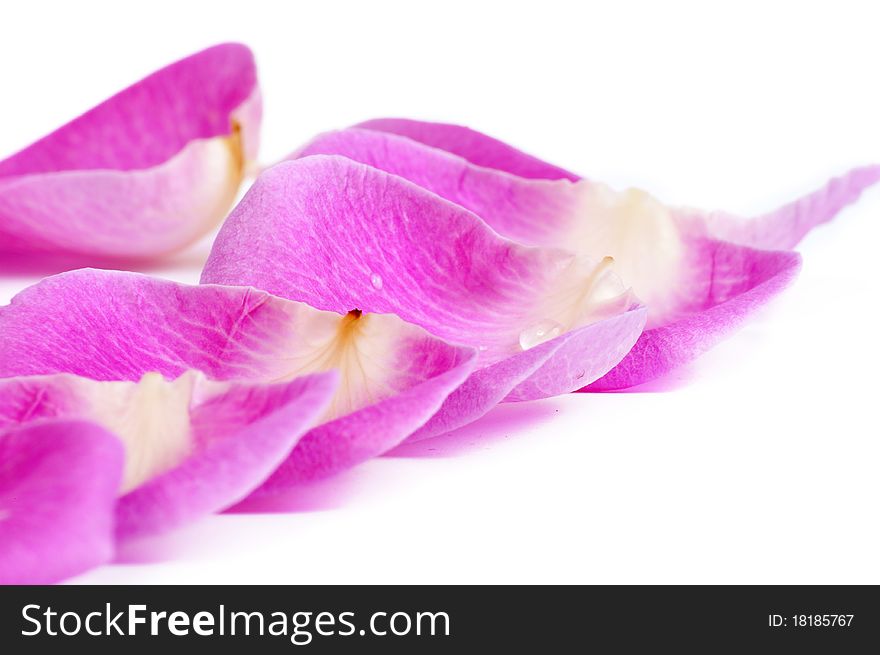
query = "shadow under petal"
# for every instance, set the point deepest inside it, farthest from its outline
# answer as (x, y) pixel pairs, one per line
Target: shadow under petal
(503, 421)
(31, 264)
(316, 496)
(162, 547)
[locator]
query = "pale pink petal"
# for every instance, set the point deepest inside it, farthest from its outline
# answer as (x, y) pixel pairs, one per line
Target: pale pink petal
(783, 228)
(552, 368)
(377, 428)
(58, 485)
(240, 436)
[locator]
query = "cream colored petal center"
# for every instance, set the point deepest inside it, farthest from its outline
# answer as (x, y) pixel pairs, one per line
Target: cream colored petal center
(640, 233)
(151, 418)
(363, 348)
(583, 292)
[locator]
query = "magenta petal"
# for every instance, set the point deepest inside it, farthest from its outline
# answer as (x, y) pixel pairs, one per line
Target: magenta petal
(555, 367)
(113, 326)
(57, 492)
(142, 174)
(192, 446)
(670, 256)
(471, 145)
(743, 280)
(783, 228)
(242, 435)
(531, 211)
(377, 428)
(337, 234)
(109, 325)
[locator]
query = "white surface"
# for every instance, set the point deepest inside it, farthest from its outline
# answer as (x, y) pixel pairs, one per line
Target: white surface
(760, 466)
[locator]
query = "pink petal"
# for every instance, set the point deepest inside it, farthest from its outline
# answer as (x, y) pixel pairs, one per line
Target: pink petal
(532, 211)
(550, 369)
(743, 280)
(783, 228)
(143, 174)
(379, 427)
(531, 195)
(57, 492)
(242, 435)
(674, 266)
(196, 452)
(471, 145)
(112, 326)
(337, 235)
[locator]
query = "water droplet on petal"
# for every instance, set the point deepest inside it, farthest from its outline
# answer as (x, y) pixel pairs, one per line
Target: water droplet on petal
(376, 281)
(482, 349)
(606, 284)
(579, 374)
(538, 334)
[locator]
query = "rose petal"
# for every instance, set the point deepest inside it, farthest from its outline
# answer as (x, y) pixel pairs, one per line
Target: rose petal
(669, 256)
(192, 446)
(552, 368)
(113, 326)
(378, 427)
(651, 253)
(471, 145)
(58, 485)
(523, 209)
(144, 173)
(242, 435)
(743, 280)
(337, 234)
(783, 228)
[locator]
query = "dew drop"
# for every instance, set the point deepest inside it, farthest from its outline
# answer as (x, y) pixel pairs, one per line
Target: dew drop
(376, 281)
(579, 374)
(538, 334)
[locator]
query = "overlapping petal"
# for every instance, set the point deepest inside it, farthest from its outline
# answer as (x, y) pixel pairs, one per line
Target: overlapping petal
(697, 287)
(192, 446)
(58, 486)
(142, 174)
(475, 147)
(338, 235)
(142, 337)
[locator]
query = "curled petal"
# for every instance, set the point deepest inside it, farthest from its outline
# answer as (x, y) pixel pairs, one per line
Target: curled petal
(378, 427)
(57, 493)
(744, 280)
(143, 174)
(192, 446)
(240, 435)
(783, 228)
(670, 256)
(337, 234)
(549, 369)
(471, 145)
(112, 326)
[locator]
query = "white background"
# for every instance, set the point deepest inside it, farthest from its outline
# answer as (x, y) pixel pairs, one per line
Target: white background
(757, 464)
